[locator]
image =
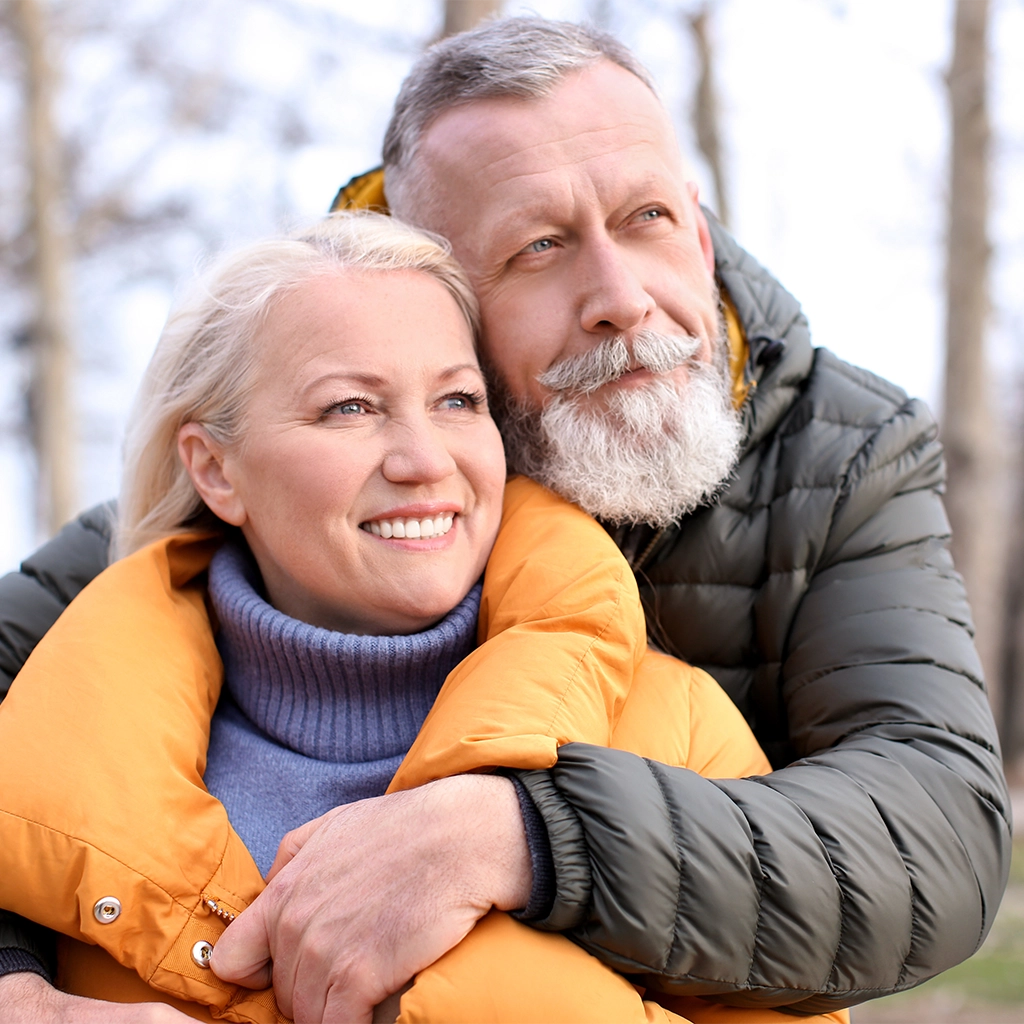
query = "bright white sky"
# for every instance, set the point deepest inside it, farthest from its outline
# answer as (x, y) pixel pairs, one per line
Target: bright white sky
(835, 122)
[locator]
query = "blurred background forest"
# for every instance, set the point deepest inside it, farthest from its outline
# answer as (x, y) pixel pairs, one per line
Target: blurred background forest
(866, 151)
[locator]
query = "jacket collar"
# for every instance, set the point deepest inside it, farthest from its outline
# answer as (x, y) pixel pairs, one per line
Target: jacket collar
(776, 330)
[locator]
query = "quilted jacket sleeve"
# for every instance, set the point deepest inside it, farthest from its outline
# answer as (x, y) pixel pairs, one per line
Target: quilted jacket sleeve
(874, 861)
(32, 598)
(30, 602)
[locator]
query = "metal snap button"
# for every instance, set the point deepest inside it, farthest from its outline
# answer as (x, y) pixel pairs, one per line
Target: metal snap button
(201, 953)
(107, 909)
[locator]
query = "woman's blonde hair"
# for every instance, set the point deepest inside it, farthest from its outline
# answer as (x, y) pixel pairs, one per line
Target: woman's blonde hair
(203, 369)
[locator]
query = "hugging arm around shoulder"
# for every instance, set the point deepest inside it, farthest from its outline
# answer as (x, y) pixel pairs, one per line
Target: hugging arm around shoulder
(658, 704)
(876, 861)
(877, 858)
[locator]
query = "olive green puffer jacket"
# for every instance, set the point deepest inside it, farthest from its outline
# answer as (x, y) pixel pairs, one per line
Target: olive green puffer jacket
(819, 590)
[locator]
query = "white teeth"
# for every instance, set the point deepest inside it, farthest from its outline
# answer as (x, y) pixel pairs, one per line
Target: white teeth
(412, 529)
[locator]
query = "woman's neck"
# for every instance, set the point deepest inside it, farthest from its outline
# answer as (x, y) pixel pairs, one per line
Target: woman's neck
(330, 696)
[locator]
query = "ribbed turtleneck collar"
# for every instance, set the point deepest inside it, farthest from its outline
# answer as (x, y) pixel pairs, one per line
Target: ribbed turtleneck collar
(331, 696)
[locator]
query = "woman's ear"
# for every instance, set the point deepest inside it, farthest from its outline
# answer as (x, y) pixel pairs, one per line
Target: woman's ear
(204, 461)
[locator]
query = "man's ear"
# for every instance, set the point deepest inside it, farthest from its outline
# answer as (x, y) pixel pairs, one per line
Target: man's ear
(703, 231)
(204, 462)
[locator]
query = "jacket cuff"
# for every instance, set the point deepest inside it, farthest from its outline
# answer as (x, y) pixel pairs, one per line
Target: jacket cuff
(542, 894)
(17, 961)
(570, 860)
(25, 946)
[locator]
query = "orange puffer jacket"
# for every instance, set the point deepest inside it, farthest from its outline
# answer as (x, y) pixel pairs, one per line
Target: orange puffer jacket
(108, 835)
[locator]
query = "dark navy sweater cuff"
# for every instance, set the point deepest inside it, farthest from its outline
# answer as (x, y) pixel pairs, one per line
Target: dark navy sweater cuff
(542, 895)
(20, 961)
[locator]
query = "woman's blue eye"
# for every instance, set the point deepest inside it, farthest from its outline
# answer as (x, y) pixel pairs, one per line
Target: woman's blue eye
(650, 214)
(348, 408)
(462, 401)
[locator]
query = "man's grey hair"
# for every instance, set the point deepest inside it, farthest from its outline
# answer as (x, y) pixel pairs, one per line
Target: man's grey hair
(519, 57)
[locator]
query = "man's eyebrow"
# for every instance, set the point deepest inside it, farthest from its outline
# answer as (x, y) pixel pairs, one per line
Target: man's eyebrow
(541, 209)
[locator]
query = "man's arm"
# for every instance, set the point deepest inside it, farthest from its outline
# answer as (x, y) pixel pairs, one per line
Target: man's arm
(31, 600)
(28, 999)
(871, 864)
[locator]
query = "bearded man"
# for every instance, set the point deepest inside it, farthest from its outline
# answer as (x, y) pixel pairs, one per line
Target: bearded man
(781, 510)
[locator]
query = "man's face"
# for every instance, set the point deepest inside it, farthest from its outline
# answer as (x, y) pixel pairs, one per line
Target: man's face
(572, 217)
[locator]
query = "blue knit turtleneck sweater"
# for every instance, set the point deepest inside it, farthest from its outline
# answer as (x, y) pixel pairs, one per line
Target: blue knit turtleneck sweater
(310, 719)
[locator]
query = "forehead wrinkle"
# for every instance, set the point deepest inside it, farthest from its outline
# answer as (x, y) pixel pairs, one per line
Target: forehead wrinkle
(635, 138)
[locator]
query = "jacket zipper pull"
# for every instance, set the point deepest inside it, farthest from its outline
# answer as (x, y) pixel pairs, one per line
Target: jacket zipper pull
(215, 908)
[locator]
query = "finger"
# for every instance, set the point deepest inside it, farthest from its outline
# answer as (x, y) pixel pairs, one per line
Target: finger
(344, 1003)
(242, 954)
(292, 843)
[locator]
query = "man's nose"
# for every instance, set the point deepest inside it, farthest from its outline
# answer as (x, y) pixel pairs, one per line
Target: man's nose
(417, 455)
(614, 296)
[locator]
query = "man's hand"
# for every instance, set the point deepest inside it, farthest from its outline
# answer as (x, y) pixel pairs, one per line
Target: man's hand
(29, 999)
(361, 899)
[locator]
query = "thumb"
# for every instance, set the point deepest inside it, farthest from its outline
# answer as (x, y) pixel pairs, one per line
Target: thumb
(241, 955)
(292, 843)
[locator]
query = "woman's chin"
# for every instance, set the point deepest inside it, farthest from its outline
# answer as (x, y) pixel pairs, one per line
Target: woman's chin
(417, 608)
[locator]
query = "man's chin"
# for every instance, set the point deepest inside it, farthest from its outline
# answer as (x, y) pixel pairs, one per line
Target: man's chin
(641, 454)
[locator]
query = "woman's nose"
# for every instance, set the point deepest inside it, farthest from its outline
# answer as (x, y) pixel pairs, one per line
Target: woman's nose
(614, 297)
(419, 455)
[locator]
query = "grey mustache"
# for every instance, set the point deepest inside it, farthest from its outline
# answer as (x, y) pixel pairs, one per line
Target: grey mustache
(609, 360)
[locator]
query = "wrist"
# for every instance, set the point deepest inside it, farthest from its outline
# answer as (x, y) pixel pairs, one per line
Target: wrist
(491, 857)
(25, 994)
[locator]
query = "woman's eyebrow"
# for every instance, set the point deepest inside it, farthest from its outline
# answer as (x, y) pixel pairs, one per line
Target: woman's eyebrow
(452, 371)
(369, 380)
(373, 380)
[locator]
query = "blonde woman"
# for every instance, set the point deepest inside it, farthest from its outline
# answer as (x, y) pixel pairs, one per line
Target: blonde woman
(313, 489)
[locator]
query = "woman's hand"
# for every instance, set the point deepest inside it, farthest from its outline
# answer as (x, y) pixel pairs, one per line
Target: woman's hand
(29, 999)
(361, 899)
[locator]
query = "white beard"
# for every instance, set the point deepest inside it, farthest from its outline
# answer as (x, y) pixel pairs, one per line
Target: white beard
(651, 454)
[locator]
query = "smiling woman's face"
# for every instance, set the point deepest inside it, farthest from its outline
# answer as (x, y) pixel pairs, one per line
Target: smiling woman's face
(369, 480)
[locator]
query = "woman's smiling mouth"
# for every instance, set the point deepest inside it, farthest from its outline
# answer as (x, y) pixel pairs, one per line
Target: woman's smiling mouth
(402, 528)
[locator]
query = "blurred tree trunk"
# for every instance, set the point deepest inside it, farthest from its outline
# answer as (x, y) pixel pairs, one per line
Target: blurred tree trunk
(1011, 709)
(52, 421)
(706, 119)
(969, 428)
(460, 15)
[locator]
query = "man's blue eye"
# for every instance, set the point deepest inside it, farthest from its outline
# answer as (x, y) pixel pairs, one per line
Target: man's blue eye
(541, 245)
(650, 214)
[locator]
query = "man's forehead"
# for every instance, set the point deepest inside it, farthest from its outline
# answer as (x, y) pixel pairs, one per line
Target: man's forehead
(594, 111)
